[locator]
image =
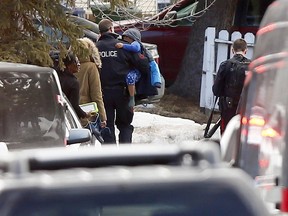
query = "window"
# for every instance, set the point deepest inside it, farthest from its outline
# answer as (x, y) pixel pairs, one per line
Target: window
(251, 12)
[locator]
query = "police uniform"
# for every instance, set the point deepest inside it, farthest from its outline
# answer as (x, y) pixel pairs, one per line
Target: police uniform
(116, 64)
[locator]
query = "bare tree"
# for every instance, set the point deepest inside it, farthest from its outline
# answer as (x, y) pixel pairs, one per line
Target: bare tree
(188, 82)
(144, 12)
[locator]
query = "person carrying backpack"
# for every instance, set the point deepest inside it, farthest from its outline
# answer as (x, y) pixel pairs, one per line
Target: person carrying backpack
(229, 82)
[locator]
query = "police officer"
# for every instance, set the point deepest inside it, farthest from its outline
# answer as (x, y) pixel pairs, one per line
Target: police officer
(116, 63)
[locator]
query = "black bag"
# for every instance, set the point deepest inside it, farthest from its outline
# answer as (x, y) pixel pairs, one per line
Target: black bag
(142, 62)
(144, 89)
(95, 127)
(235, 78)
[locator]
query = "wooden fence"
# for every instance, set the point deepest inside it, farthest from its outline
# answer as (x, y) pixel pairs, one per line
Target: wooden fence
(217, 50)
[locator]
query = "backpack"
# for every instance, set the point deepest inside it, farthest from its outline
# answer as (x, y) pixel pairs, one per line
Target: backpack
(144, 89)
(142, 61)
(236, 72)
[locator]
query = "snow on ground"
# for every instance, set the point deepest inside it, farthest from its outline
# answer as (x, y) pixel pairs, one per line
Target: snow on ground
(152, 128)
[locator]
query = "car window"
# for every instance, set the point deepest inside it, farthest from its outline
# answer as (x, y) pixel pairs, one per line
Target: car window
(255, 11)
(29, 111)
(51, 33)
(71, 118)
(54, 35)
(251, 12)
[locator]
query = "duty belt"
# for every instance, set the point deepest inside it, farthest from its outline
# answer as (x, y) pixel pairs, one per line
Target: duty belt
(114, 87)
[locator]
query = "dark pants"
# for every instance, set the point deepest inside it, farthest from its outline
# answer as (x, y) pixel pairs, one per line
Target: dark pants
(226, 116)
(228, 111)
(119, 114)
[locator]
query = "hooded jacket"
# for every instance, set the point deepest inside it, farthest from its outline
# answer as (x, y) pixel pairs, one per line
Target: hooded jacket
(133, 34)
(89, 79)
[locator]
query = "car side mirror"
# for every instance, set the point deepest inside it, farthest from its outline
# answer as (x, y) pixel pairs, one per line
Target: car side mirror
(79, 136)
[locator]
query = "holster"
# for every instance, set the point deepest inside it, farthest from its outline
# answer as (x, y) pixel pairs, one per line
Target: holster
(225, 103)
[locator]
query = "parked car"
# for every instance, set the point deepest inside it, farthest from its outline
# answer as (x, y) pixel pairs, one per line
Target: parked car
(157, 180)
(256, 138)
(33, 111)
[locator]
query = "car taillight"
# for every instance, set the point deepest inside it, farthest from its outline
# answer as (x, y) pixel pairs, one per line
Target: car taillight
(257, 121)
(284, 201)
(254, 129)
(260, 122)
(270, 132)
(264, 162)
(254, 121)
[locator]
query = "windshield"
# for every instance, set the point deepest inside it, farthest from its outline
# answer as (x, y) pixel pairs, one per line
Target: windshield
(29, 110)
(166, 200)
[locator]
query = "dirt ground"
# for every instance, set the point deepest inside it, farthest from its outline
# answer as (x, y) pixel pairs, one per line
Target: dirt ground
(175, 106)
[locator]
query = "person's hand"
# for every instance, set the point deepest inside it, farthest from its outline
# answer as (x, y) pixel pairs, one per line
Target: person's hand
(89, 115)
(103, 124)
(119, 45)
(84, 122)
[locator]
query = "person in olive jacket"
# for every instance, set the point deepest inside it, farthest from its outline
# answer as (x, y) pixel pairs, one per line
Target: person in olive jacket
(89, 79)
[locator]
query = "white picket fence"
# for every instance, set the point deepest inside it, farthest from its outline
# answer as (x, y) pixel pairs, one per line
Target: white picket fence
(217, 50)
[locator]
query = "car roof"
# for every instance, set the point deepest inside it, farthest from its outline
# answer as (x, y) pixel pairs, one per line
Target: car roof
(8, 66)
(133, 176)
(87, 24)
(108, 155)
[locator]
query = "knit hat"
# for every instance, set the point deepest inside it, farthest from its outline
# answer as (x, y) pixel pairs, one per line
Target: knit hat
(133, 33)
